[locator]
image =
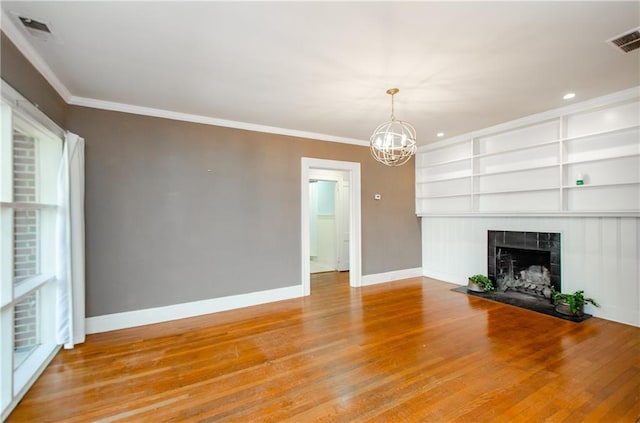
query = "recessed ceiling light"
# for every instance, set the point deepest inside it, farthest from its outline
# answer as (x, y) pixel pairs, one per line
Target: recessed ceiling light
(569, 96)
(440, 134)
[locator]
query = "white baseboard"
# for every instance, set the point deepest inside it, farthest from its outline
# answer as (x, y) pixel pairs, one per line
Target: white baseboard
(391, 276)
(129, 319)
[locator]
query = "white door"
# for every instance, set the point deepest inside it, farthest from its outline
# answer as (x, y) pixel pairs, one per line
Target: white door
(342, 223)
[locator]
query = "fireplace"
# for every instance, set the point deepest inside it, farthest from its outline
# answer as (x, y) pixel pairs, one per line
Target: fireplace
(525, 268)
(524, 265)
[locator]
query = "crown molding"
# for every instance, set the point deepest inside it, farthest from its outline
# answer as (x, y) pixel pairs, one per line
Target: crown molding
(206, 120)
(18, 38)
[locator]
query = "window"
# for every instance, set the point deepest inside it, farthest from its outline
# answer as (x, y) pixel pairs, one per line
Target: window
(29, 159)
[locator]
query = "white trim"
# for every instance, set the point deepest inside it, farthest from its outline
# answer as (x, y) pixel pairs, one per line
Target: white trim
(187, 117)
(29, 285)
(394, 275)
(617, 97)
(129, 319)
(355, 241)
(16, 35)
(44, 353)
(29, 206)
(27, 114)
(27, 372)
(326, 175)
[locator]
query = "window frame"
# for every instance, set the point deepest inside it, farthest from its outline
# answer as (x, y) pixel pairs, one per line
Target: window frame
(17, 113)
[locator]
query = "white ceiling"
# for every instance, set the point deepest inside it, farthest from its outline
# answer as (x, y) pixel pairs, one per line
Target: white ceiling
(323, 68)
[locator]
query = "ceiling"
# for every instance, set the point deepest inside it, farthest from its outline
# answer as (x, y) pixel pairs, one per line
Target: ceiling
(323, 68)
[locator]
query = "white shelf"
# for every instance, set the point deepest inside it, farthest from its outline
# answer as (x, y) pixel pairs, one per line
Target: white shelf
(444, 179)
(446, 162)
(502, 172)
(511, 191)
(600, 133)
(614, 184)
(426, 197)
(507, 181)
(514, 150)
(600, 159)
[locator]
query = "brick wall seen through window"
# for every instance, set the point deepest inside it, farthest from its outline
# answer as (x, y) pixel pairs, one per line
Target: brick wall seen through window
(25, 234)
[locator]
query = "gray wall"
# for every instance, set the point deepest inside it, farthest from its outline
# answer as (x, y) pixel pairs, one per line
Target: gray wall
(21, 75)
(179, 212)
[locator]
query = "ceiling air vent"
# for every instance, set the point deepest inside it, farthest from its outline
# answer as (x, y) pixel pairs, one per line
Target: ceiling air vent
(36, 28)
(35, 25)
(628, 41)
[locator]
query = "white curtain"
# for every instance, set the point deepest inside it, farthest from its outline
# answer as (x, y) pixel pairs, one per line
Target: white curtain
(70, 311)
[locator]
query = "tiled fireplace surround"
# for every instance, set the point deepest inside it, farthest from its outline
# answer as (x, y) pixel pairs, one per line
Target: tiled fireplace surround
(533, 241)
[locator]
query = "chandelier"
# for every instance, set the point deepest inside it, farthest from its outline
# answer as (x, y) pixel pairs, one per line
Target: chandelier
(394, 142)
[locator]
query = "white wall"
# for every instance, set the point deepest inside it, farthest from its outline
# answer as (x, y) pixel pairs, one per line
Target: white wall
(600, 255)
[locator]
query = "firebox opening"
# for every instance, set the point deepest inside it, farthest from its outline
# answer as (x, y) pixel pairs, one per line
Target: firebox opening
(524, 270)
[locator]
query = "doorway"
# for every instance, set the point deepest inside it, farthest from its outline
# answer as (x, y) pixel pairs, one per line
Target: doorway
(328, 220)
(349, 173)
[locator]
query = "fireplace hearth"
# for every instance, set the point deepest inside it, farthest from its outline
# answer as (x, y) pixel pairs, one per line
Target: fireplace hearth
(525, 269)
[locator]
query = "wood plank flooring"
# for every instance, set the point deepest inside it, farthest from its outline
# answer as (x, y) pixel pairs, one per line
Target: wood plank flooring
(405, 351)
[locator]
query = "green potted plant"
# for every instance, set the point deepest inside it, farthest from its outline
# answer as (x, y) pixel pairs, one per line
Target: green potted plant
(571, 304)
(480, 283)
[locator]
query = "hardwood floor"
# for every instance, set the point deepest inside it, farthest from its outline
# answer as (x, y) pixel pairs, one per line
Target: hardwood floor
(410, 350)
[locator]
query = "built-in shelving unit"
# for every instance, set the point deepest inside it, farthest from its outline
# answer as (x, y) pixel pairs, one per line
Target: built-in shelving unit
(534, 168)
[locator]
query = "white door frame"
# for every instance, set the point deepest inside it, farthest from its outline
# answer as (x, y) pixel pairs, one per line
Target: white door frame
(355, 257)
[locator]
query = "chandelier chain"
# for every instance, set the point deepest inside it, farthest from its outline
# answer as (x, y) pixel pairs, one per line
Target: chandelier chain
(393, 116)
